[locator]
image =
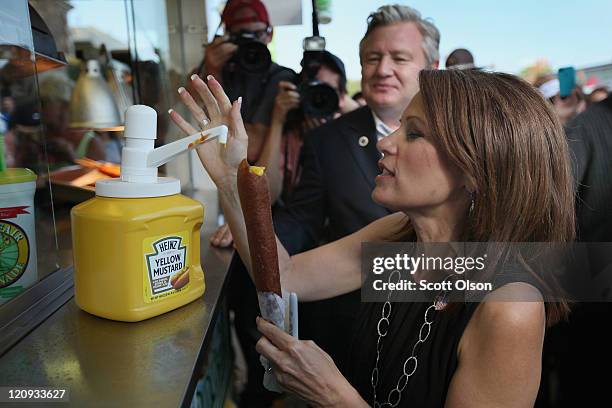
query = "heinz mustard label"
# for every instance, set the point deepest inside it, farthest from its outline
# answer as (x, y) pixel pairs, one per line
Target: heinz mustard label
(166, 266)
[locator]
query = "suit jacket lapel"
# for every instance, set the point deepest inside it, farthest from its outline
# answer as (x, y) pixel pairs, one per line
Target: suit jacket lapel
(366, 156)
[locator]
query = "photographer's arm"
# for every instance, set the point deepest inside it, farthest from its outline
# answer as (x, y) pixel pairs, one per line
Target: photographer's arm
(216, 55)
(257, 136)
(258, 126)
(270, 159)
(286, 99)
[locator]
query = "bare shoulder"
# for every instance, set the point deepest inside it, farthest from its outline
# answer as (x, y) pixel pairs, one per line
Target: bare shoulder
(393, 227)
(505, 337)
(515, 305)
(516, 309)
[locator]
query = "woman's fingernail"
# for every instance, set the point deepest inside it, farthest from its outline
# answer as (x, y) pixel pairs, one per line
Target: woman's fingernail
(170, 111)
(257, 319)
(210, 77)
(240, 100)
(194, 76)
(181, 90)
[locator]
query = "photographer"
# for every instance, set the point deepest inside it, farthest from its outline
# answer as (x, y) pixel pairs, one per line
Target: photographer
(242, 63)
(294, 115)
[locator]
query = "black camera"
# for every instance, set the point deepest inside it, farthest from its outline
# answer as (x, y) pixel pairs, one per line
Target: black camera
(318, 99)
(252, 55)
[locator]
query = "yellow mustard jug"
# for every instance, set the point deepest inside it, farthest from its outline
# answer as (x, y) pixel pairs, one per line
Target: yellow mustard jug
(137, 243)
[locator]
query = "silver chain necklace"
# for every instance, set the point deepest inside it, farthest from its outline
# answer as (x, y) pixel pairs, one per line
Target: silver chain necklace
(411, 363)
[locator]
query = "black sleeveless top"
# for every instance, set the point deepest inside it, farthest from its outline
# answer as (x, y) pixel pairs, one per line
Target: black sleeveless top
(437, 356)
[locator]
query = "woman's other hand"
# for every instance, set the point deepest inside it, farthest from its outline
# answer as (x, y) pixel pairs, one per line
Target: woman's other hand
(304, 369)
(219, 161)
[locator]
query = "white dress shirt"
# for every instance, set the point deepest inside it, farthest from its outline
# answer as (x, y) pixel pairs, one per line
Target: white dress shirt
(382, 129)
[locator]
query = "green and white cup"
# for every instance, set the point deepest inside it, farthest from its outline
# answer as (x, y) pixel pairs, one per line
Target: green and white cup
(17, 232)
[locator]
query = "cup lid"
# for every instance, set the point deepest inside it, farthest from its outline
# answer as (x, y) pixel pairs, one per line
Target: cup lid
(16, 175)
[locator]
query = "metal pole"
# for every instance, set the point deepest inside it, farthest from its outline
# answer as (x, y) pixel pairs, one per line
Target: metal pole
(315, 19)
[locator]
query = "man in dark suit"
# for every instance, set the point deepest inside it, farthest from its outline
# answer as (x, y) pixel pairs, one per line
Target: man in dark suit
(340, 161)
(339, 164)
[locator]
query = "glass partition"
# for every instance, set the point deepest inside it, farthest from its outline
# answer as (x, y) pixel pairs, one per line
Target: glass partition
(28, 242)
(62, 114)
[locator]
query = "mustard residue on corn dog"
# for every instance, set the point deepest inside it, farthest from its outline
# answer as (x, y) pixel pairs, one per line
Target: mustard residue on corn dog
(258, 170)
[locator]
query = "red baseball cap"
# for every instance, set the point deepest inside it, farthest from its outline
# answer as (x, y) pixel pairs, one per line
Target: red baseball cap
(233, 6)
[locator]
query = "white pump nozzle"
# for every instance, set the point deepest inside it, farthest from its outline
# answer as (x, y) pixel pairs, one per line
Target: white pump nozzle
(140, 160)
(165, 153)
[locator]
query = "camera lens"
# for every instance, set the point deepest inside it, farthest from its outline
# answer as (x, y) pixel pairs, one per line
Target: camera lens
(253, 57)
(319, 99)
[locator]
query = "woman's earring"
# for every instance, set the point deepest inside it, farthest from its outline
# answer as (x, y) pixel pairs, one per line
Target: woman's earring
(471, 204)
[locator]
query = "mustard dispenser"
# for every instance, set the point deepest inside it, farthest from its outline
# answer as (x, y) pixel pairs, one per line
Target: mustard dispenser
(137, 242)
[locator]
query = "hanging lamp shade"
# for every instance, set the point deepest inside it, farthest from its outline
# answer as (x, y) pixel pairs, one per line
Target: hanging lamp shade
(92, 105)
(47, 55)
(20, 63)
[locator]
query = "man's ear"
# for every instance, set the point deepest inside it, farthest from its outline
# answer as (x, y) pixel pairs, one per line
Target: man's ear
(435, 64)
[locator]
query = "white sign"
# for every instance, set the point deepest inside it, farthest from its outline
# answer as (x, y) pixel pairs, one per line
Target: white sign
(284, 12)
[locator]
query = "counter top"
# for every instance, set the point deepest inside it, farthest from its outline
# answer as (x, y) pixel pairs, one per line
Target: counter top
(106, 363)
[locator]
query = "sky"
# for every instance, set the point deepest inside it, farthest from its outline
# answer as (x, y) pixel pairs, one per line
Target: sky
(504, 35)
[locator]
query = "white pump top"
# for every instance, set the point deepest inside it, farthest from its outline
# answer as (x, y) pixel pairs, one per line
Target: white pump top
(139, 159)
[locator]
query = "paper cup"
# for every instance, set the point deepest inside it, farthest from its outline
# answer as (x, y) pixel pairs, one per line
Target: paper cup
(17, 232)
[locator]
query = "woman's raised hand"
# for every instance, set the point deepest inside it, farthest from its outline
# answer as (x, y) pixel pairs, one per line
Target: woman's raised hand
(221, 162)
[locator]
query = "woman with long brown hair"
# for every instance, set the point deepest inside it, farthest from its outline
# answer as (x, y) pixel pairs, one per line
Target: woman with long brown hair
(478, 157)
